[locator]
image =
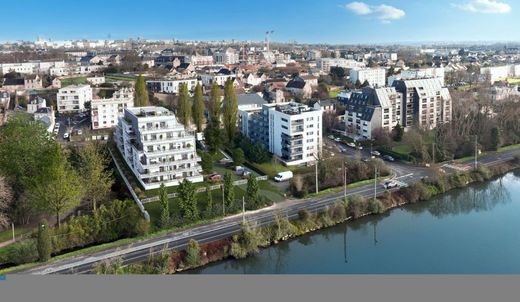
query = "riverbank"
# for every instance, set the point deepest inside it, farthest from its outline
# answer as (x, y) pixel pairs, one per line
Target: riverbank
(254, 237)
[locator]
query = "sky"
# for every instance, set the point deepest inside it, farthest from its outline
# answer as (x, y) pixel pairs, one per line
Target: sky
(303, 21)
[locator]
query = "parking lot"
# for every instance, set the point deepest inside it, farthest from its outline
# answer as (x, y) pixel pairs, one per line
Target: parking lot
(72, 125)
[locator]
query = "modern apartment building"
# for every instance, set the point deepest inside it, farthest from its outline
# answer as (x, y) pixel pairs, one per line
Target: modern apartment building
(156, 147)
(426, 101)
(291, 131)
(371, 109)
(324, 64)
(376, 77)
(419, 73)
(230, 56)
(73, 98)
(170, 85)
(105, 113)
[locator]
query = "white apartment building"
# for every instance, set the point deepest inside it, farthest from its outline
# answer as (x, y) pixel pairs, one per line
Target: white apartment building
(292, 131)
(499, 73)
(105, 113)
(230, 56)
(376, 77)
(73, 98)
(324, 64)
(371, 109)
(422, 73)
(156, 147)
(35, 104)
(219, 78)
(201, 60)
(96, 80)
(30, 67)
(170, 85)
(312, 54)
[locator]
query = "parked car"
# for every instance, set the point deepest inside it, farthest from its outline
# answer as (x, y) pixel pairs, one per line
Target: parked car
(79, 132)
(375, 153)
(342, 149)
(390, 185)
(215, 177)
(388, 158)
(246, 173)
(66, 135)
(337, 139)
(360, 147)
(331, 136)
(352, 145)
(283, 176)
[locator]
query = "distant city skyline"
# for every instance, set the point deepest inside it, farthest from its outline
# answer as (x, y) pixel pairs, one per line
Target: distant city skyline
(313, 22)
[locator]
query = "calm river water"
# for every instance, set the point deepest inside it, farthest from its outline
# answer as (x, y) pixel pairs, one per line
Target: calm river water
(475, 230)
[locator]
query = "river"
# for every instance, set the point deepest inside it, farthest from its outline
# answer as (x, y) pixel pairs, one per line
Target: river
(475, 230)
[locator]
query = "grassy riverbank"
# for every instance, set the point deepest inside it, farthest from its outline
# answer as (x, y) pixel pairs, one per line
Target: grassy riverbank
(253, 237)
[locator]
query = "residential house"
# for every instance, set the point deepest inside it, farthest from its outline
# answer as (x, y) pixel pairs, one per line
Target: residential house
(35, 104)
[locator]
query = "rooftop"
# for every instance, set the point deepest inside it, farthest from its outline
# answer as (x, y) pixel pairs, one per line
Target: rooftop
(149, 111)
(293, 108)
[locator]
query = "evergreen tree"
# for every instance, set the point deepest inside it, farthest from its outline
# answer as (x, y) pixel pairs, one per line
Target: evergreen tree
(206, 162)
(230, 110)
(213, 135)
(163, 200)
(209, 202)
(214, 106)
(496, 138)
(238, 156)
(140, 92)
(198, 107)
(43, 241)
(229, 191)
(252, 189)
(187, 200)
(184, 105)
(192, 253)
(398, 132)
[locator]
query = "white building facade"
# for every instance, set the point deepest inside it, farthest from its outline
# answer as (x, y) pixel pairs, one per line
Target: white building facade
(157, 148)
(376, 77)
(105, 113)
(73, 98)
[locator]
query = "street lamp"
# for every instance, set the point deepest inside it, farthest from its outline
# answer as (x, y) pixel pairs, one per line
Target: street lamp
(317, 190)
(223, 202)
(345, 181)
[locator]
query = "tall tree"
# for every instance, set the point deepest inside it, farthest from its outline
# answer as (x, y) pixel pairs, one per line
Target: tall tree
(209, 202)
(184, 105)
(198, 107)
(188, 201)
(229, 191)
(43, 243)
(213, 135)
(93, 168)
(230, 110)
(252, 189)
(140, 93)
(398, 132)
(6, 199)
(238, 156)
(58, 188)
(192, 253)
(165, 206)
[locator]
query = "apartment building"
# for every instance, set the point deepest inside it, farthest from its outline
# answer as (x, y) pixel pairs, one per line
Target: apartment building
(35, 104)
(324, 64)
(425, 101)
(198, 60)
(376, 77)
(292, 131)
(170, 85)
(371, 109)
(30, 67)
(105, 113)
(419, 73)
(156, 147)
(73, 98)
(219, 77)
(230, 56)
(500, 73)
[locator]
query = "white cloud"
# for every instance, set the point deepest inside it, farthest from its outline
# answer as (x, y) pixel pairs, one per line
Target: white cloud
(383, 12)
(485, 6)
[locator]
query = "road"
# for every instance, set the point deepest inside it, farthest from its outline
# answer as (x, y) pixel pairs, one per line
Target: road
(228, 226)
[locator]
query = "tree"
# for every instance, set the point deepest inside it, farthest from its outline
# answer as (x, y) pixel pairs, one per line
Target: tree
(229, 191)
(188, 202)
(165, 206)
(43, 244)
(209, 201)
(213, 135)
(183, 105)
(252, 189)
(6, 199)
(58, 188)
(206, 162)
(238, 156)
(140, 93)
(93, 168)
(398, 132)
(192, 253)
(230, 110)
(495, 138)
(198, 107)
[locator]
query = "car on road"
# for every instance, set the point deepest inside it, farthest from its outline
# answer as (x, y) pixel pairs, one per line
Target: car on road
(375, 153)
(66, 135)
(337, 139)
(342, 149)
(390, 185)
(79, 132)
(388, 157)
(366, 159)
(360, 147)
(246, 174)
(283, 176)
(352, 145)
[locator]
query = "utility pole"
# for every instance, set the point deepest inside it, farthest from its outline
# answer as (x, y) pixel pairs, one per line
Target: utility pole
(375, 183)
(433, 153)
(12, 228)
(345, 181)
(243, 210)
(223, 202)
(476, 151)
(316, 172)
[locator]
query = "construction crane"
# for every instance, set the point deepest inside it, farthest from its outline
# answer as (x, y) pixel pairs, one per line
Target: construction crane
(267, 37)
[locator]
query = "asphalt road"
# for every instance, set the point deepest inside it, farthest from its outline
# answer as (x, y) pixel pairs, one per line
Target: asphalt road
(226, 227)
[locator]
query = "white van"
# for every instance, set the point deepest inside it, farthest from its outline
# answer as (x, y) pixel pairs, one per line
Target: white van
(283, 176)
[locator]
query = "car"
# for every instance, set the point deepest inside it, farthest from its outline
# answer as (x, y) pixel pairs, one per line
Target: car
(79, 132)
(283, 176)
(375, 153)
(388, 158)
(337, 139)
(342, 149)
(246, 173)
(390, 185)
(66, 135)
(331, 136)
(352, 145)
(360, 147)
(366, 159)
(215, 177)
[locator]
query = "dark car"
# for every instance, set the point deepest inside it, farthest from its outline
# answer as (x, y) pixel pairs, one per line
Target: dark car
(388, 158)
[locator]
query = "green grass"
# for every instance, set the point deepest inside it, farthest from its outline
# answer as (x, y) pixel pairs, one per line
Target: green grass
(73, 81)
(508, 148)
(333, 93)
(8, 235)
(403, 149)
(513, 81)
(271, 169)
(119, 77)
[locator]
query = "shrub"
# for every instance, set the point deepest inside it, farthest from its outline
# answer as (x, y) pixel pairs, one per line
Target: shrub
(356, 206)
(192, 257)
(375, 206)
(22, 252)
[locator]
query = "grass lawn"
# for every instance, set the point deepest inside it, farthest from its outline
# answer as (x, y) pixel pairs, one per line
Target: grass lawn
(271, 169)
(73, 81)
(403, 149)
(513, 81)
(119, 77)
(333, 93)
(8, 235)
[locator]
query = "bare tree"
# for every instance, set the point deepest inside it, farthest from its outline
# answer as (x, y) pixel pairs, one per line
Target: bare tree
(6, 199)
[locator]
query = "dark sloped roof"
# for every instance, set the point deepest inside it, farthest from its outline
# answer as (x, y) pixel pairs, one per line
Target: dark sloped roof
(13, 82)
(250, 98)
(295, 84)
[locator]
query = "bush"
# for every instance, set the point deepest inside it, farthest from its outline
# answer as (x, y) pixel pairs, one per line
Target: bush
(375, 206)
(22, 252)
(192, 257)
(356, 206)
